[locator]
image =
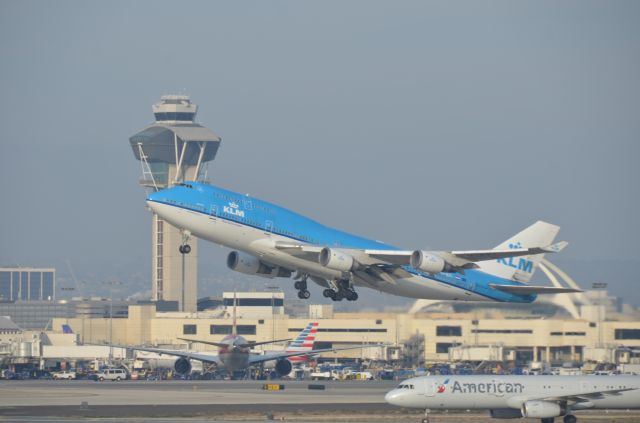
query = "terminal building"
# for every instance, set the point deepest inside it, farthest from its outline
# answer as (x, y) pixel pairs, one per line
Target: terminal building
(171, 150)
(474, 336)
(27, 283)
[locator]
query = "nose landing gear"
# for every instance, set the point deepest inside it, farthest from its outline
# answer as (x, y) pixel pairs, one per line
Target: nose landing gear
(185, 248)
(425, 419)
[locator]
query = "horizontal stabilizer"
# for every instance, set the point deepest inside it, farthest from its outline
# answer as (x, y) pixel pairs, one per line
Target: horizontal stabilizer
(528, 289)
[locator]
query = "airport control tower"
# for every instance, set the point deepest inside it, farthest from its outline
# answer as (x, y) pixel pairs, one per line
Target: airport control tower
(171, 150)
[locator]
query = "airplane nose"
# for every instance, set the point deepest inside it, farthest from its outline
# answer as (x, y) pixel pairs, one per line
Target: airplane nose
(154, 196)
(392, 397)
(151, 205)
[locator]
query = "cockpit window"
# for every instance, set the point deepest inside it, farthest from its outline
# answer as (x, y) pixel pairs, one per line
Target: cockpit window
(403, 386)
(185, 185)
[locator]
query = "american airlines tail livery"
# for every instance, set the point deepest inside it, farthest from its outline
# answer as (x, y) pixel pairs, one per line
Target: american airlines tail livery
(271, 241)
(514, 397)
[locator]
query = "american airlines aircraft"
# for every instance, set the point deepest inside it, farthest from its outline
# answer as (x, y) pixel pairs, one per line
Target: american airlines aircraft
(271, 241)
(513, 397)
(235, 352)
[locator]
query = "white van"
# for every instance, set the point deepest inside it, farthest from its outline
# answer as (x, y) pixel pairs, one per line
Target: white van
(111, 374)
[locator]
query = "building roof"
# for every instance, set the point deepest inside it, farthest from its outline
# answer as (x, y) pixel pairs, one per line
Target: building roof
(7, 324)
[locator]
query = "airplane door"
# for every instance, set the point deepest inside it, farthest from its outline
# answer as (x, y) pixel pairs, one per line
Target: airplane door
(214, 210)
(430, 388)
(268, 226)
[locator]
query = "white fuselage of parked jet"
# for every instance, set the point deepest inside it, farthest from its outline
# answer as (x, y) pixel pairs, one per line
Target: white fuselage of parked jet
(511, 396)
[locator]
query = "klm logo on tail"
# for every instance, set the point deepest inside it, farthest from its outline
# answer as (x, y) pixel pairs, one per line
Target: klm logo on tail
(521, 264)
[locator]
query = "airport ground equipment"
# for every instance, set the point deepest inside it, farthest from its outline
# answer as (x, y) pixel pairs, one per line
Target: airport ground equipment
(111, 374)
(511, 397)
(64, 375)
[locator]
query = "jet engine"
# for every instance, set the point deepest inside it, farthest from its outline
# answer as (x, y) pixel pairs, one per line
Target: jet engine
(505, 413)
(251, 265)
(336, 260)
(182, 366)
(430, 263)
(283, 367)
(543, 409)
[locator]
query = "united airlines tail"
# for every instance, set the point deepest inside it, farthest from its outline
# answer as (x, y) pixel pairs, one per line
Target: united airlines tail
(304, 341)
(521, 269)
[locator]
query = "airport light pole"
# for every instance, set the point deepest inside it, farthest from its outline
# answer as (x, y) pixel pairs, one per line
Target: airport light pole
(273, 289)
(111, 284)
(600, 287)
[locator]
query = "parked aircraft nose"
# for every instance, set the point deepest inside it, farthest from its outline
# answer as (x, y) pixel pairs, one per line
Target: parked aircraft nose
(393, 397)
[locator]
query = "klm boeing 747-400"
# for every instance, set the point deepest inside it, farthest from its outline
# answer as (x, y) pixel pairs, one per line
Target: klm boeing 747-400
(271, 241)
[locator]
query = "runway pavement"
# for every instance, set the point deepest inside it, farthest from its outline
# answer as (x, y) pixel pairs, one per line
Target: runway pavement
(39, 393)
(195, 401)
(188, 398)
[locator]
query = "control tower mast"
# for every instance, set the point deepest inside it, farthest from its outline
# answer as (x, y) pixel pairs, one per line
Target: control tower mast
(171, 150)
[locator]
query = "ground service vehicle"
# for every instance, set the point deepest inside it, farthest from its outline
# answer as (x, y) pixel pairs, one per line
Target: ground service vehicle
(64, 375)
(111, 374)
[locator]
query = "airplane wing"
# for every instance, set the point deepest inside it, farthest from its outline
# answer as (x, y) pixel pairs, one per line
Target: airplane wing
(460, 259)
(532, 289)
(255, 359)
(575, 397)
(221, 345)
(205, 358)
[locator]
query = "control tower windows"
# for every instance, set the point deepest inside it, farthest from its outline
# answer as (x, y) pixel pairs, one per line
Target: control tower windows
(160, 172)
(175, 116)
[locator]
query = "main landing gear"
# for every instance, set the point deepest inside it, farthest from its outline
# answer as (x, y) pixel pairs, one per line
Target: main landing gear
(185, 248)
(339, 290)
(301, 286)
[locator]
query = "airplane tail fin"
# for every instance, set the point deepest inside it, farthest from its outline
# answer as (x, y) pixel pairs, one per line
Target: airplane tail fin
(305, 339)
(521, 269)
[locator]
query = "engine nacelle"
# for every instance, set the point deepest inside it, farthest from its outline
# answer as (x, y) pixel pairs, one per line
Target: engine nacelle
(251, 265)
(506, 413)
(542, 409)
(429, 263)
(182, 366)
(283, 367)
(336, 260)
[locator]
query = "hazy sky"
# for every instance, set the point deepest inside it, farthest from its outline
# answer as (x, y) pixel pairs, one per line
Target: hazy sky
(423, 124)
